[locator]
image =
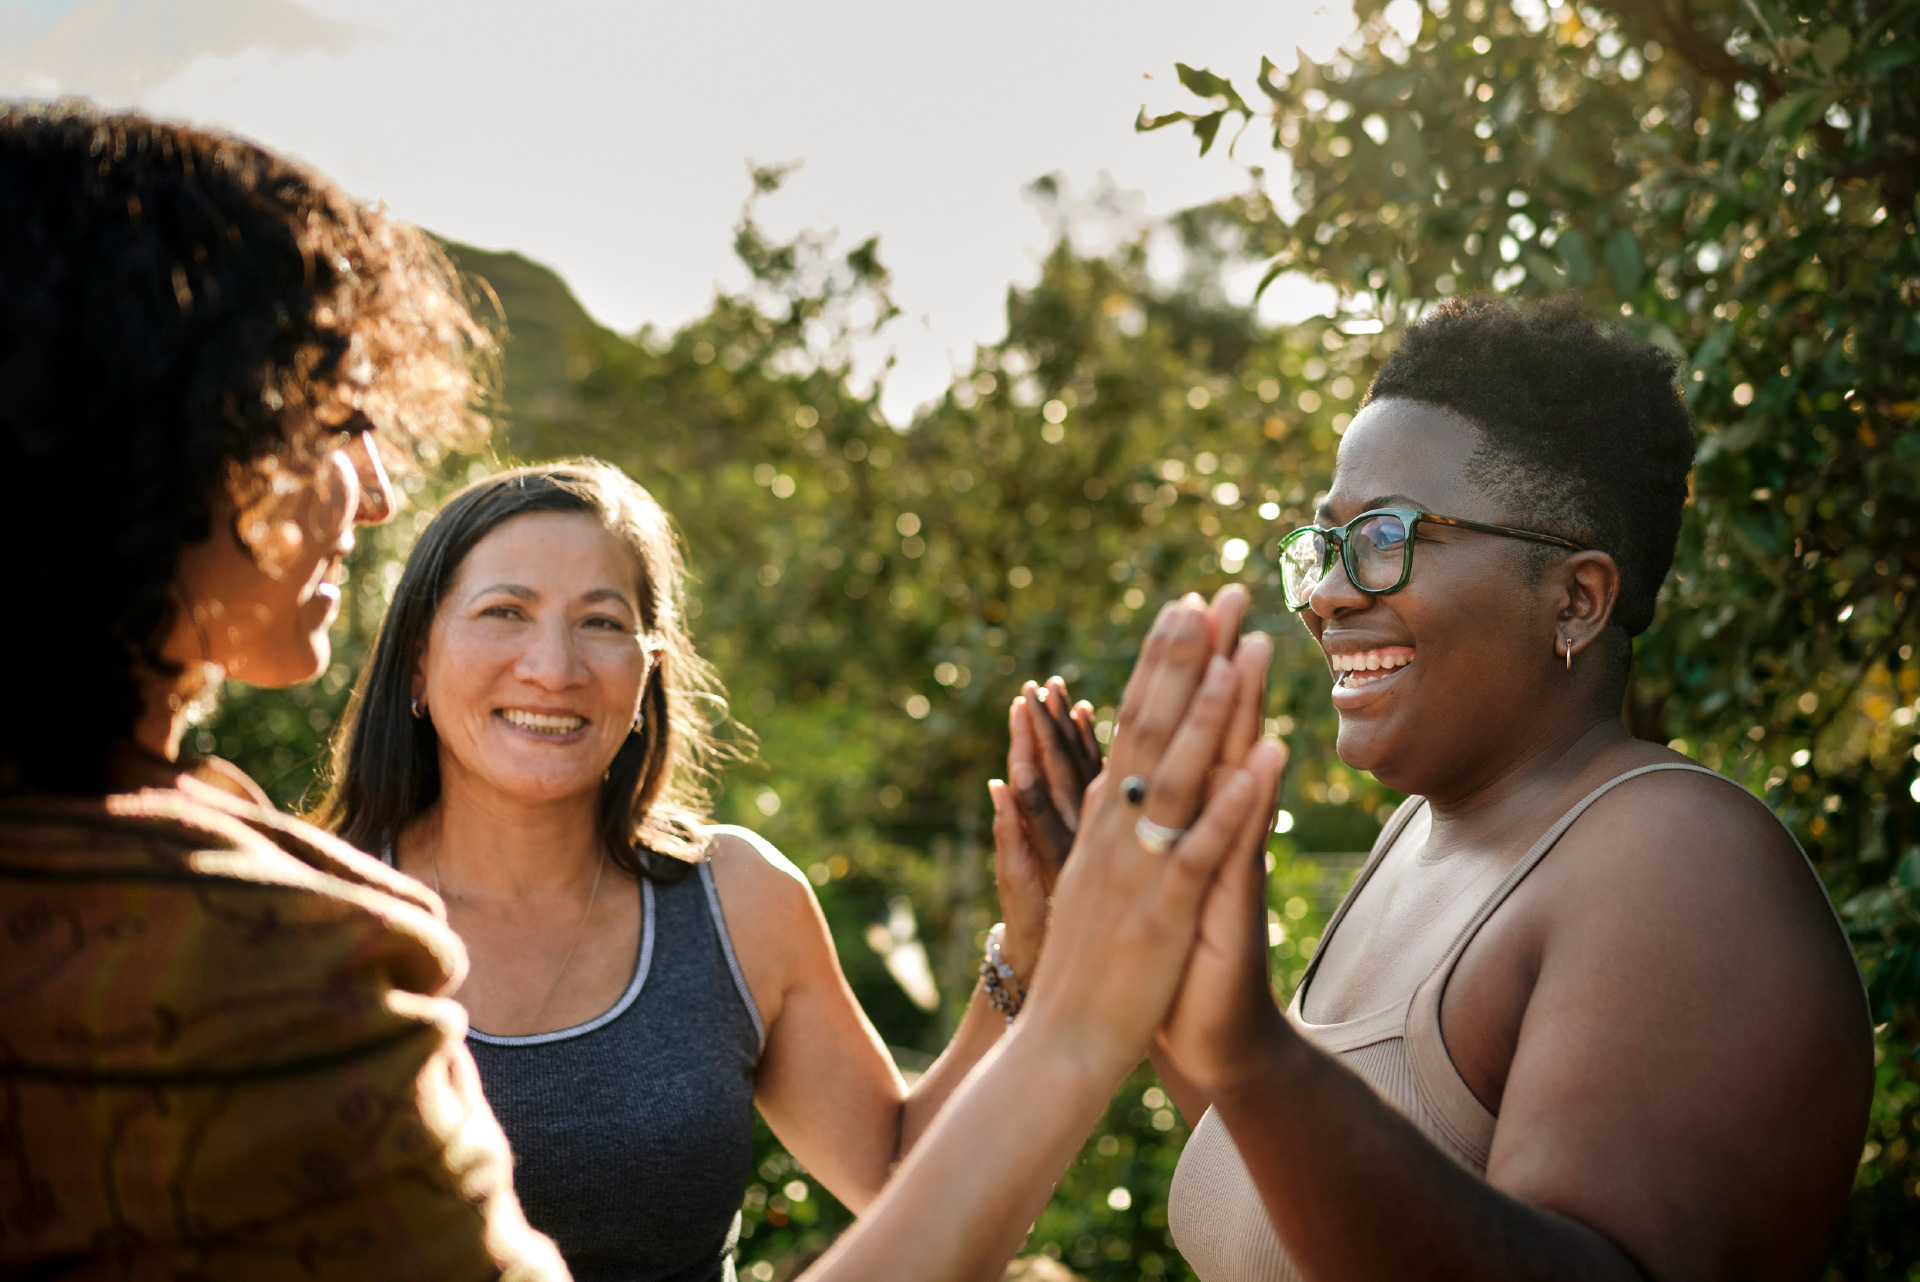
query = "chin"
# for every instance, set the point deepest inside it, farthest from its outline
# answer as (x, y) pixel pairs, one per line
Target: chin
(1361, 745)
(291, 665)
(543, 788)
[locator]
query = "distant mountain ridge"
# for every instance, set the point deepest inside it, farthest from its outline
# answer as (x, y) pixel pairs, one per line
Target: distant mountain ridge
(540, 323)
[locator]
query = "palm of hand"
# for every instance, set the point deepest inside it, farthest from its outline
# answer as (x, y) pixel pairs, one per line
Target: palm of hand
(1224, 999)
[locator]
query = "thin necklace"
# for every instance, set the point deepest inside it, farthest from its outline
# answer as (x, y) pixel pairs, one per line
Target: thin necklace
(580, 931)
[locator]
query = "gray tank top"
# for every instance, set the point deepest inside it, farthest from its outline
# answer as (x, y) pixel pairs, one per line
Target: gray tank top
(632, 1133)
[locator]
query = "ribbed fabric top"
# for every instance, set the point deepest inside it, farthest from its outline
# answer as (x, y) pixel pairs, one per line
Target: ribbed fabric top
(1214, 1211)
(632, 1133)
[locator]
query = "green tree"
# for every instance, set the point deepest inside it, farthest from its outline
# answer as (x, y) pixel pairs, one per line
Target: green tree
(1737, 181)
(875, 597)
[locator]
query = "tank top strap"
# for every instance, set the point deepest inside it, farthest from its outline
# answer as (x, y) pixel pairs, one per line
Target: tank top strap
(1449, 1102)
(1396, 824)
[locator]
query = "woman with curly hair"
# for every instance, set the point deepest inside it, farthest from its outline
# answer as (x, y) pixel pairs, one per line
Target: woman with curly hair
(226, 1052)
(226, 1045)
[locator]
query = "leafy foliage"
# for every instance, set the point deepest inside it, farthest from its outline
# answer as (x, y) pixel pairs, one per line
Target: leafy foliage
(875, 597)
(1738, 182)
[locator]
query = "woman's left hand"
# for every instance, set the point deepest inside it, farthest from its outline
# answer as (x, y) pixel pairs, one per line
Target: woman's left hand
(1052, 756)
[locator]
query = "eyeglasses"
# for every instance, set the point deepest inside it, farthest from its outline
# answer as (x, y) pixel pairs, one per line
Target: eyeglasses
(1376, 548)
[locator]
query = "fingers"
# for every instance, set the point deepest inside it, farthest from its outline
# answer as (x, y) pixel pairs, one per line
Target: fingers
(1172, 662)
(1089, 741)
(1049, 832)
(1009, 838)
(1014, 859)
(1181, 773)
(1227, 611)
(1152, 655)
(1058, 744)
(1250, 664)
(1233, 810)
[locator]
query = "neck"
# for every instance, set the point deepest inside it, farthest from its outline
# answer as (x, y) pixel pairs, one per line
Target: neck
(166, 702)
(1511, 793)
(483, 842)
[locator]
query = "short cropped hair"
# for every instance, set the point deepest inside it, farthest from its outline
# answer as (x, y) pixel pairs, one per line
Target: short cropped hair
(1584, 432)
(180, 310)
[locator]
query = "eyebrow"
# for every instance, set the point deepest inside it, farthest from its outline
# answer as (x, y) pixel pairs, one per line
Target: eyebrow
(521, 592)
(1325, 513)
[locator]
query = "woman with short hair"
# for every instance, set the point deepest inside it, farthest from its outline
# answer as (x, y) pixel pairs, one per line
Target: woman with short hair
(1586, 1011)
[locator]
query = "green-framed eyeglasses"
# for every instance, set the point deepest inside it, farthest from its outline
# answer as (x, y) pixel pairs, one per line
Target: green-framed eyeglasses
(1376, 548)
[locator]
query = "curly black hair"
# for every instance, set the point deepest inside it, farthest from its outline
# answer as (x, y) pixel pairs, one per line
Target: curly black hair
(179, 310)
(1584, 432)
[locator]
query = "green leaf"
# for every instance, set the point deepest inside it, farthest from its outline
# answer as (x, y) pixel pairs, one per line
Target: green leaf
(1887, 57)
(1623, 262)
(1831, 49)
(1204, 83)
(1577, 255)
(1207, 127)
(1269, 82)
(1145, 124)
(1268, 277)
(1786, 118)
(1544, 269)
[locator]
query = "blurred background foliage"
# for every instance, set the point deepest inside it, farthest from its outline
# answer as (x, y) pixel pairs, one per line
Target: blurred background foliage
(1733, 180)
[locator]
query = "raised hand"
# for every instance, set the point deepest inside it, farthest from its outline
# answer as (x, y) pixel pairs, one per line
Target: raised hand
(1052, 755)
(1124, 914)
(1225, 1001)
(1123, 924)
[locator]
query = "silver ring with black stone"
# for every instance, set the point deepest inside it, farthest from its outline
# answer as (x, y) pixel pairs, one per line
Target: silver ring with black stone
(1134, 789)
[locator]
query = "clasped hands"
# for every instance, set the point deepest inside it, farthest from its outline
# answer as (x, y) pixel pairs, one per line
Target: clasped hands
(1168, 946)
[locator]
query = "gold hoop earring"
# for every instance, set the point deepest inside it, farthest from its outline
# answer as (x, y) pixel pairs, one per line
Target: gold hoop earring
(1566, 648)
(419, 709)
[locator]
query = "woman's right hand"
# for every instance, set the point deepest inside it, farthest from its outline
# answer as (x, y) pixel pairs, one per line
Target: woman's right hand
(1124, 916)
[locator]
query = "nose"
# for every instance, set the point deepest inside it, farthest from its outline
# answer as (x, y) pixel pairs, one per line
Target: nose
(551, 660)
(376, 491)
(1335, 594)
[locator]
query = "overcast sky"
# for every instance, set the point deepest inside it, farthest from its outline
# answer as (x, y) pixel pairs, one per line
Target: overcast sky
(610, 139)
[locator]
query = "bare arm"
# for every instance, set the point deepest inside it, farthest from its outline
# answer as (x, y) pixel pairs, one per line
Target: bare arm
(826, 1083)
(1123, 919)
(1683, 1097)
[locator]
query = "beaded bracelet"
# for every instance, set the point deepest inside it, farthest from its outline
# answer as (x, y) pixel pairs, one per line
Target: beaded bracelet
(997, 977)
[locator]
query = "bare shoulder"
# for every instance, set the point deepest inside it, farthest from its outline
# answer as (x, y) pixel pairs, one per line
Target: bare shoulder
(1700, 854)
(755, 880)
(1694, 1017)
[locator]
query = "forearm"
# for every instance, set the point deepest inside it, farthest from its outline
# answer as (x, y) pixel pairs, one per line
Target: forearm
(980, 1029)
(961, 1204)
(1356, 1192)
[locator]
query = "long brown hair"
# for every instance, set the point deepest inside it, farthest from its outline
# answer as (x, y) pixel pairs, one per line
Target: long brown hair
(386, 767)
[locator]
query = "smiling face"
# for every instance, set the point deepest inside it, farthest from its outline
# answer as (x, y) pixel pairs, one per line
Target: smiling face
(1452, 673)
(536, 659)
(260, 593)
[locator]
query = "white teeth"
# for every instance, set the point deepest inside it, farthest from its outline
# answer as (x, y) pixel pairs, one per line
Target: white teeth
(1371, 661)
(542, 722)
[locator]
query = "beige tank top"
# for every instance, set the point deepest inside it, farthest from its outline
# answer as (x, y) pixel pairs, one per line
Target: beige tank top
(1214, 1211)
